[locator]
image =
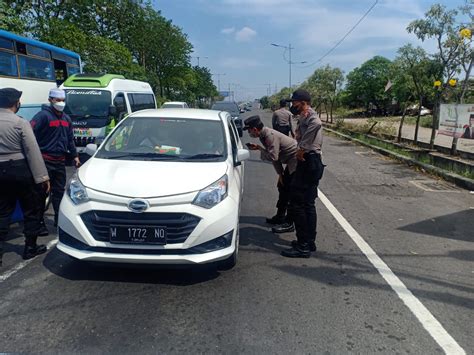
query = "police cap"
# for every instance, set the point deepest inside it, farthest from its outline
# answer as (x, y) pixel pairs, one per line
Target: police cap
(252, 122)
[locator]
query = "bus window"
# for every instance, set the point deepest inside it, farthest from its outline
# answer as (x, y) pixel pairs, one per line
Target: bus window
(21, 48)
(141, 101)
(72, 69)
(8, 64)
(65, 58)
(38, 52)
(6, 44)
(36, 68)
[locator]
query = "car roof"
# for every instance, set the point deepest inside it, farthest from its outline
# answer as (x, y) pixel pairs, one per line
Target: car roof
(189, 113)
(175, 103)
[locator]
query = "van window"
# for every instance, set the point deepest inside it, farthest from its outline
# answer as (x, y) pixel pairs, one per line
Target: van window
(121, 106)
(141, 101)
(233, 141)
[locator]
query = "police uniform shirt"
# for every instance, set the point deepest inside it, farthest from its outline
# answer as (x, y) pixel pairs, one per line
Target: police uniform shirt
(17, 142)
(281, 118)
(309, 133)
(279, 149)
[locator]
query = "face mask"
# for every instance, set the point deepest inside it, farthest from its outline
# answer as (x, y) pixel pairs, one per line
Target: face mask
(18, 107)
(59, 106)
(295, 110)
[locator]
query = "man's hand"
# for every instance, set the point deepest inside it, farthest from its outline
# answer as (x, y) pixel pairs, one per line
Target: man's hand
(280, 180)
(252, 146)
(300, 155)
(77, 162)
(46, 186)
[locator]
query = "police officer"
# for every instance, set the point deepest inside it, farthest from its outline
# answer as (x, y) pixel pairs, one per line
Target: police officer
(281, 119)
(21, 167)
(309, 170)
(278, 149)
(54, 133)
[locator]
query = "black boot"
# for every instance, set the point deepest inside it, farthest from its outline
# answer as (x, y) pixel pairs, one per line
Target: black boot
(312, 245)
(276, 219)
(301, 251)
(284, 228)
(32, 249)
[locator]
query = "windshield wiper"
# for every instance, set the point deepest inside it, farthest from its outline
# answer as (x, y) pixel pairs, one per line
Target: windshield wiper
(204, 156)
(144, 155)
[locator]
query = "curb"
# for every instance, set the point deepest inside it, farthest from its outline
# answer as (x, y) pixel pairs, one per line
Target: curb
(458, 180)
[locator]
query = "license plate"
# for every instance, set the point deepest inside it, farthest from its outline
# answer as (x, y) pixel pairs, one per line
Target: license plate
(138, 235)
(82, 132)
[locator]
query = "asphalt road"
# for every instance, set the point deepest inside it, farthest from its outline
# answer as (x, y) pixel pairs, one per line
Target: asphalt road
(335, 302)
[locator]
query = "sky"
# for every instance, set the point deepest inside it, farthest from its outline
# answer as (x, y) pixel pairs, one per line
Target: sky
(233, 37)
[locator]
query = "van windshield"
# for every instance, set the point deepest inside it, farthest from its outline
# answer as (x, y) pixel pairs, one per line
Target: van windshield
(85, 103)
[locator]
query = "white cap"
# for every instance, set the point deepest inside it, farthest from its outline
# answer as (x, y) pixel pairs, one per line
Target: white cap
(57, 93)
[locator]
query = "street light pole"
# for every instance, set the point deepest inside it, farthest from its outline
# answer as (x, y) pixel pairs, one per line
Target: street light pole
(197, 57)
(290, 62)
(219, 80)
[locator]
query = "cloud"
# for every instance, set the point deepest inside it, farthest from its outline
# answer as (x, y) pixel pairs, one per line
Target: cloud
(228, 31)
(245, 34)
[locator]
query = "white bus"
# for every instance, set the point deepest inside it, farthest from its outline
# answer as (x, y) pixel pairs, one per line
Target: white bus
(34, 67)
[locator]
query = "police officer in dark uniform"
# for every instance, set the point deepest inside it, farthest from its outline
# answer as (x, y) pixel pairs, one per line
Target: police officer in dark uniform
(21, 168)
(281, 120)
(304, 184)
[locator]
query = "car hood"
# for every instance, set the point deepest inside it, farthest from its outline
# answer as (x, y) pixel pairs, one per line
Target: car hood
(148, 179)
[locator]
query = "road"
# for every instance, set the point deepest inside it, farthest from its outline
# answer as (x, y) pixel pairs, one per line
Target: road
(335, 302)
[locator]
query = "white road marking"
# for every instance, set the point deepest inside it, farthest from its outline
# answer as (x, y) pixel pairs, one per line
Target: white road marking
(18, 267)
(429, 322)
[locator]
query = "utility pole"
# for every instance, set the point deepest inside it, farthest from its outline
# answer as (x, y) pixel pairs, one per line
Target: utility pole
(197, 57)
(290, 63)
(219, 80)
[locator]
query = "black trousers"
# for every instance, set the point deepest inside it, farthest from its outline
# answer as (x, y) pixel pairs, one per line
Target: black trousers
(303, 193)
(57, 178)
(283, 129)
(16, 184)
(284, 195)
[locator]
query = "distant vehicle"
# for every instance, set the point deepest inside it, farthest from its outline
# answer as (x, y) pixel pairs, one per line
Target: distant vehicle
(96, 102)
(233, 109)
(134, 200)
(175, 104)
(34, 68)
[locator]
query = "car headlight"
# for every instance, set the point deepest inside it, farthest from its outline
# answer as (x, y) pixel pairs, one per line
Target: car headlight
(76, 191)
(213, 194)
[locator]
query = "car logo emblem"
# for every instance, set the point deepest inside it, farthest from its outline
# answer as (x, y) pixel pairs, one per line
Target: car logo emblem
(138, 205)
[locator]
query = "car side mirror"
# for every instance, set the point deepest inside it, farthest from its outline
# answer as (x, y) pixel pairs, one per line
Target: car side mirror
(112, 110)
(91, 149)
(242, 155)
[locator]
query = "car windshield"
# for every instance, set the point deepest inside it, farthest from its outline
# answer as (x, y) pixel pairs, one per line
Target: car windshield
(230, 107)
(86, 103)
(172, 106)
(152, 138)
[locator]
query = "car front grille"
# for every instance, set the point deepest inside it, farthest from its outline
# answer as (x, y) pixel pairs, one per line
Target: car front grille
(178, 225)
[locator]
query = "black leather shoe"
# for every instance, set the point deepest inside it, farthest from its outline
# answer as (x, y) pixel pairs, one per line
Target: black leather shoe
(32, 251)
(43, 232)
(284, 228)
(276, 219)
(296, 253)
(312, 246)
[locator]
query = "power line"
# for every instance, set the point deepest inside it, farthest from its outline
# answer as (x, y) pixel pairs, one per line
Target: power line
(343, 38)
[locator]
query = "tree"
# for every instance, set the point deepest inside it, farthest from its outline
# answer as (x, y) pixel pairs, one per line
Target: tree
(440, 25)
(326, 83)
(366, 84)
(10, 19)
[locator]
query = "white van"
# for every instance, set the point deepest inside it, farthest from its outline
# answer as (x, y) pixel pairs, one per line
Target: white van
(97, 102)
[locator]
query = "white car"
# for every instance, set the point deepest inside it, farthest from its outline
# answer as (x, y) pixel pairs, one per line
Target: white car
(175, 104)
(164, 187)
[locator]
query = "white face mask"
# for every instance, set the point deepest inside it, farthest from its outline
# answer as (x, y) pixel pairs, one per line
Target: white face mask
(59, 106)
